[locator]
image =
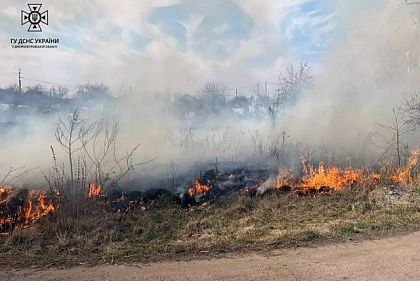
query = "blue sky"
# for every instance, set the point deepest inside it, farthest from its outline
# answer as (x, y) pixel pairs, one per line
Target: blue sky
(178, 43)
(218, 33)
(311, 27)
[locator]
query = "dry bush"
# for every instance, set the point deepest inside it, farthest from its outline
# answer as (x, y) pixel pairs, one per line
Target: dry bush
(93, 157)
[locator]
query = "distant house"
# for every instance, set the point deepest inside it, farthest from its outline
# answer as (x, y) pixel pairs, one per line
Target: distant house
(31, 98)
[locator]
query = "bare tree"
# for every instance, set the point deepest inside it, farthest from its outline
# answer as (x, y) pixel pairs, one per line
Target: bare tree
(290, 88)
(100, 147)
(125, 165)
(212, 99)
(98, 144)
(257, 142)
(59, 92)
(69, 132)
(277, 148)
(187, 138)
(92, 91)
(98, 159)
(293, 82)
(12, 174)
(411, 109)
(398, 128)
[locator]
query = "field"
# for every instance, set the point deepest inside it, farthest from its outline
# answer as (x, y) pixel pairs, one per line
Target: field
(163, 230)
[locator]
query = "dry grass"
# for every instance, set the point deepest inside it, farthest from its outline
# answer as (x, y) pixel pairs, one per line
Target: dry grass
(233, 224)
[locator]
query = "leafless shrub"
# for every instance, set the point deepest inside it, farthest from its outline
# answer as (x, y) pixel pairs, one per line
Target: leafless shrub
(294, 81)
(186, 139)
(257, 143)
(411, 110)
(69, 133)
(397, 128)
(289, 89)
(12, 174)
(92, 155)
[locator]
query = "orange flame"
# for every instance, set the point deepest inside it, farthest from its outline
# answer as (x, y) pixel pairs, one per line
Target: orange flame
(197, 188)
(402, 175)
(331, 177)
(94, 190)
(283, 179)
(374, 177)
(34, 206)
(40, 208)
(4, 191)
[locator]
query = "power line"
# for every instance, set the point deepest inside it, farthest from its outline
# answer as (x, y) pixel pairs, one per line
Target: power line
(379, 31)
(254, 86)
(48, 82)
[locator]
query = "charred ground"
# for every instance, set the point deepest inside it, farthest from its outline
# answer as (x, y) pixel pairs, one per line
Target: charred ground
(161, 228)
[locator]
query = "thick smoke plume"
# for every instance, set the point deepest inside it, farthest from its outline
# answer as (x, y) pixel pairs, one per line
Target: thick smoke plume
(360, 78)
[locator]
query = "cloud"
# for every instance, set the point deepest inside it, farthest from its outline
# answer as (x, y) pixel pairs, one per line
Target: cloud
(310, 28)
(168, 44)
(165, 45)
(151, 45)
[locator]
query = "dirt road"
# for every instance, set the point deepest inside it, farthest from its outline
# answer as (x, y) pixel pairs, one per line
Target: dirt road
(389, 259)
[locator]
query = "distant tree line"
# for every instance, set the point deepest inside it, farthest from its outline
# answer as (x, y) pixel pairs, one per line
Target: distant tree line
(265, 102)
(44, 98)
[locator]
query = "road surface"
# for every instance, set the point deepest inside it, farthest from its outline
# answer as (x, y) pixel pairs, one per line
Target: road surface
(395, 258)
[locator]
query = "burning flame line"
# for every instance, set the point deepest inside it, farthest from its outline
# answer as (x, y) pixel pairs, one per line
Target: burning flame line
(94, 190)
(21, 210)
(197, 188)
(403, 175)
(322, 177)
(29, 209)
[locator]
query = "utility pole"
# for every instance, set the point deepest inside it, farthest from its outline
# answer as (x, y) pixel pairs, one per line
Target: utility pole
(283, 142)
(172, 171)
(417, 4)
(20, 81)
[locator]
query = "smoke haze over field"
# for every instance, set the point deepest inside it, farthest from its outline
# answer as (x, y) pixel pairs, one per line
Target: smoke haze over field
(363, 56)
(180, 45)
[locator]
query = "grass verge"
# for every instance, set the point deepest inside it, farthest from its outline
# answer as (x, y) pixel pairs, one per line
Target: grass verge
(233, 224)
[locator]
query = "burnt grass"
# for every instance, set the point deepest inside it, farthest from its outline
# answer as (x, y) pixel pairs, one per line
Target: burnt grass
(163, 230)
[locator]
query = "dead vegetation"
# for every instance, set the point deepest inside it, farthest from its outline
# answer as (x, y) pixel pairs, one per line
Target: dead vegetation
(93, 221)
(162, 229)
(220, 212)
